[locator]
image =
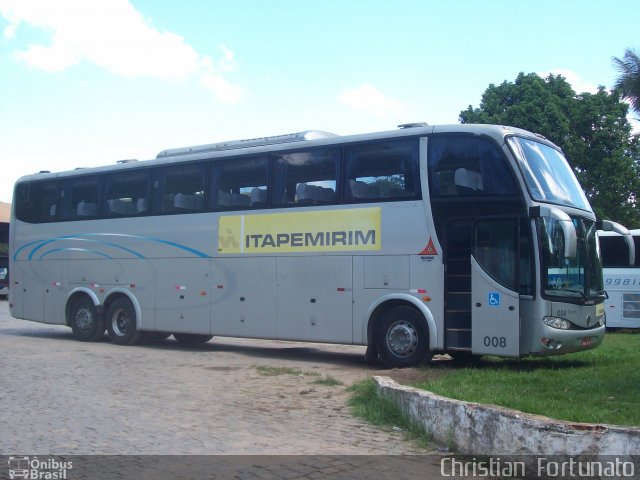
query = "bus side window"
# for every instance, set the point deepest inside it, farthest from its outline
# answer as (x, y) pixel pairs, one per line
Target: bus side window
(385, 170)
(239, 184)
(80, 199)
(615, 252)
(182, 189)
(37, 202)
(127, 193)
(306, 178)
(468, 166)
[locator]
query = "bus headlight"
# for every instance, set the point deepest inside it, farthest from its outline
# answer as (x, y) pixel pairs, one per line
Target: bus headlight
(557, 322)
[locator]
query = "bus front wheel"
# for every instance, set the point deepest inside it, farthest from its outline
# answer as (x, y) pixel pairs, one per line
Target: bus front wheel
(85, 322)
(121, 323)
(402, 338)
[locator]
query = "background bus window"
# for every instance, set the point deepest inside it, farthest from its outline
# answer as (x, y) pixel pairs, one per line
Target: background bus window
(382, 171)
(615, 251)
(182, 188)
(306, 178)
(127, 193)
(239, 184)
(468, 166)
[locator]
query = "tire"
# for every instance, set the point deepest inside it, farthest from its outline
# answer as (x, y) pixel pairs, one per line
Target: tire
(402, 338)
(121, 323)
(192, 338)
(85, 322)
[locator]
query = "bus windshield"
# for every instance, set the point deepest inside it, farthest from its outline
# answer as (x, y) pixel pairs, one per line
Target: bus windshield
(548, 176)
(579, 277)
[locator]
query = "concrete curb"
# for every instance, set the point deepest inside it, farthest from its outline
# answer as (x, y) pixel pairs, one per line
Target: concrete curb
(478, 429)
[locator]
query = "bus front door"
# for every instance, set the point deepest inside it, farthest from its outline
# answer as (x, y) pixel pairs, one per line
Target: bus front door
(495, 313)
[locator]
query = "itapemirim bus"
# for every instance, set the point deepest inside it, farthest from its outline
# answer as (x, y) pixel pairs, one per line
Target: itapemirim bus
(621, 269)
(466, 239)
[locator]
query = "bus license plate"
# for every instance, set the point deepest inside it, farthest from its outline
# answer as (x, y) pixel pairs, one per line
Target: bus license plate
(586, 342)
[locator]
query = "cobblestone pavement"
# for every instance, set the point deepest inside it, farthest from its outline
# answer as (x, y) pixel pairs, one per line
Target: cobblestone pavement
(59, 396)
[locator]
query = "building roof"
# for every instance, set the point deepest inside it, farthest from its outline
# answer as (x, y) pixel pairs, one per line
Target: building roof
(5, 212)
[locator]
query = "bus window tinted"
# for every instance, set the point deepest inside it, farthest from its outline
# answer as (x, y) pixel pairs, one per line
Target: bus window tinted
(36, 202)
(382, 171)
(182, 190)
(239, 184)
(468, 166)
(615, 251)
(81, 198)
(127, 193)
(306, 178)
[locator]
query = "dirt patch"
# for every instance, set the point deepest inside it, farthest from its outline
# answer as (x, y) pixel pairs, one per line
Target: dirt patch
(411, 376)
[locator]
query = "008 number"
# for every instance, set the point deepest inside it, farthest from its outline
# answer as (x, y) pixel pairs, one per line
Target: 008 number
(495, 342)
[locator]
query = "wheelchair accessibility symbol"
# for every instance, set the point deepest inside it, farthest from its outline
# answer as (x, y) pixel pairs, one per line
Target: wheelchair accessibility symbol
(494, 299)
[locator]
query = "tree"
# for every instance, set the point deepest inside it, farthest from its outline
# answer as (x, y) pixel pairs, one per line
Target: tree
(628, 83)
(592, 130)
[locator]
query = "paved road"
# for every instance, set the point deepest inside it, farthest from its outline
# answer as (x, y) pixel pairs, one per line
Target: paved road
(63, 397)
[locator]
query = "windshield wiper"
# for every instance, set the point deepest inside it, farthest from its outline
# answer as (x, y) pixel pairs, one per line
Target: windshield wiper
(577, 291)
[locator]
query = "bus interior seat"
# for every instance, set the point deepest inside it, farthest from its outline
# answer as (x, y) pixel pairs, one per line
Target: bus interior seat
(468, 181)
(224, 199)
(361, 189)
(187, 201)
(87, 209)
(326, 194)
(305, 194)
(240, 200)
(118, 206)
(258, 197)
(142, 205)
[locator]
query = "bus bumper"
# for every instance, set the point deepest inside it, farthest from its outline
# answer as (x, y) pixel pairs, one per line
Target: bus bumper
(554, 341)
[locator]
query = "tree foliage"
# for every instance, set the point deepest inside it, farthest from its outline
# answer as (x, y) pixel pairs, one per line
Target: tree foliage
(592, 130)
(628, 83)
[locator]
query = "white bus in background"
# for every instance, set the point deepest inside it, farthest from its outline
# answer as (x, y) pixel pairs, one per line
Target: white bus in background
(621, 269)
(465, 239)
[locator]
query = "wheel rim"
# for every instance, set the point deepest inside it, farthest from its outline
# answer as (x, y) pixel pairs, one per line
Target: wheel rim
(121, 322)
(84, 319)
(402, 338)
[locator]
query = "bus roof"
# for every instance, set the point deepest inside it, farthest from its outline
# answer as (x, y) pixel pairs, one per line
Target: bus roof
(250, 142)
(287, 142)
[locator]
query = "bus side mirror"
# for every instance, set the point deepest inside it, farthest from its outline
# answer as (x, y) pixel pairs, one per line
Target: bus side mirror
(566, 224)
(609, 226)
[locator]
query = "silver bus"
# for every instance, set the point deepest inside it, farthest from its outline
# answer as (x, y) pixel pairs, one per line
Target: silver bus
(621, 269)
(465, 239)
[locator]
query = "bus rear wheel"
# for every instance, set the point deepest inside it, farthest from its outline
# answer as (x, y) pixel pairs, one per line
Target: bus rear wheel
(192, 338)
(121, 323)
(402, 339)
(85, 322)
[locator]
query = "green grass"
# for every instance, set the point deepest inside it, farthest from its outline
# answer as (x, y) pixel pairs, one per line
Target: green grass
(366, 404)
(268, 371)
(596, 386)
(328, 380)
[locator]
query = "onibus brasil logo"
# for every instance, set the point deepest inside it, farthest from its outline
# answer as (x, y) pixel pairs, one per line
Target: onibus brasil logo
(36, 469)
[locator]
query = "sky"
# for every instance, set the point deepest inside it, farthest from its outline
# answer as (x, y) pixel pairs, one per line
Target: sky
(88, 82)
